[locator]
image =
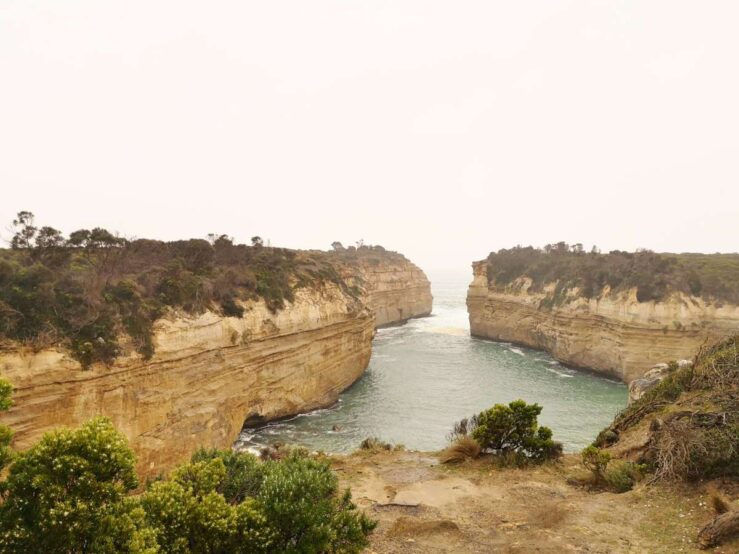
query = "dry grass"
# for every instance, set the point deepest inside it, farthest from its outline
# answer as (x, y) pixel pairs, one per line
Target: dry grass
(719, 503)
(549, 515)
(462, 449)
(409, 526)
(720, 529)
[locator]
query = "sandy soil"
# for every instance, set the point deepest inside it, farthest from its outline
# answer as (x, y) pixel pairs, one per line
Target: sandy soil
(423, 506)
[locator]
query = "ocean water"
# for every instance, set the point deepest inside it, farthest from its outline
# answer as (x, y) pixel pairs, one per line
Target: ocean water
(429, 373)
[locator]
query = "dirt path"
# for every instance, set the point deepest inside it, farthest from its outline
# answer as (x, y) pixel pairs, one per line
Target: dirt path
(423, 506)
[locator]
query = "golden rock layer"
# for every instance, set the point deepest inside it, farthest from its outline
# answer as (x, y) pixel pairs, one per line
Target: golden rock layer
(396, 292)
(210, 373)
(614, 334)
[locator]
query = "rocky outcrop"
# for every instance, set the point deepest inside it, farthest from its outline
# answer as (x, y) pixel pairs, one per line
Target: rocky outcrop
(209, 374)
(614, 334)
(656, 374)
(396, 290)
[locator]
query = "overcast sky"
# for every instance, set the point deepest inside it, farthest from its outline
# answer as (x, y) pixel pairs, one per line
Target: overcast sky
(441, 129)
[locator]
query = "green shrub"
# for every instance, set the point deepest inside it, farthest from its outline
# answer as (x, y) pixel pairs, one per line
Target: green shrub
(596, 460)
(64, 491)
(615, 475)
(6, 434)
(694, 415)
(71, 493)
(513, 430)
(374, 444)
(301, 501)
(621, 476)
(189, 515)
(244, 473)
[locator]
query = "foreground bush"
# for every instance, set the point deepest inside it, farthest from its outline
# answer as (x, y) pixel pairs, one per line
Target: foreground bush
(68, 494)
(71, 493)
(512, 432)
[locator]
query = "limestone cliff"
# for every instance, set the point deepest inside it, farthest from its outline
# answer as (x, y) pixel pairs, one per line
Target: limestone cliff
(211, 373)
(613, 333)
(208, 375)
(395, 289)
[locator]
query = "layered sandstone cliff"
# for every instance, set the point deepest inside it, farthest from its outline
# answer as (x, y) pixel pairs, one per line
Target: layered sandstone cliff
(614, 334)
(396, 291)
(210, 374)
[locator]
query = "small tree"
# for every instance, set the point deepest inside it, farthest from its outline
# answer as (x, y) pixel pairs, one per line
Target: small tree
(25, 231)
(596, 460)
(513, 429)
(257, 241)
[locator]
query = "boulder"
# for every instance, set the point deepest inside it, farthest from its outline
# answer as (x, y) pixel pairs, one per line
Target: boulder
(652, 378)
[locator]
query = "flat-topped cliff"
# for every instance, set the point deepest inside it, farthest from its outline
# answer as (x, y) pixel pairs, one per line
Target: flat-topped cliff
(393, 287)
(623, 328)
(182, 343)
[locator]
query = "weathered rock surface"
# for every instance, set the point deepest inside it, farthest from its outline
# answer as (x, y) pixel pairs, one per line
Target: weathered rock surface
(614, 334)
(396, 291)
(652, 378)
(210, 373)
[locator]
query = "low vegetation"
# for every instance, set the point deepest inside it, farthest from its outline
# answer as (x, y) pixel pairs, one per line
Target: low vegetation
(510, 432)
(89, 289)
(610, 474)
(72, 492)
(373, 444)
(462, 449)
(691, 417)
(713, 277)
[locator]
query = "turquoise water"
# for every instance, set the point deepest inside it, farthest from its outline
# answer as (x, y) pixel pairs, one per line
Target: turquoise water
(429, 373)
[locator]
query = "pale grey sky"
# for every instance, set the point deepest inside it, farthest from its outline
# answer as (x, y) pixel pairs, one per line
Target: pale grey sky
(442, 129)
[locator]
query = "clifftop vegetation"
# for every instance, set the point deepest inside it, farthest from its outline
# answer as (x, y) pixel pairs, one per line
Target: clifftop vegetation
(87, 289)
(713, 277)
(691, 418)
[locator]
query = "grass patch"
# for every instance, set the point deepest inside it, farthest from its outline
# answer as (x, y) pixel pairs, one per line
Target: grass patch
(461, 450)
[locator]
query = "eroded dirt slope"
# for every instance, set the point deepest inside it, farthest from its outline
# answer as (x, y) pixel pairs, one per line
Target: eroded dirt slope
(423, 506)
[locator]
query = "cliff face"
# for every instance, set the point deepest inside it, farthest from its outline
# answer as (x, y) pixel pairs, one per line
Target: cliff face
(614, 334)
(395, 291)
(210, 373)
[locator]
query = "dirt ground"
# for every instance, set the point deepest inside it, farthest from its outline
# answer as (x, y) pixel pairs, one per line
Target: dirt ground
(423, 506)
